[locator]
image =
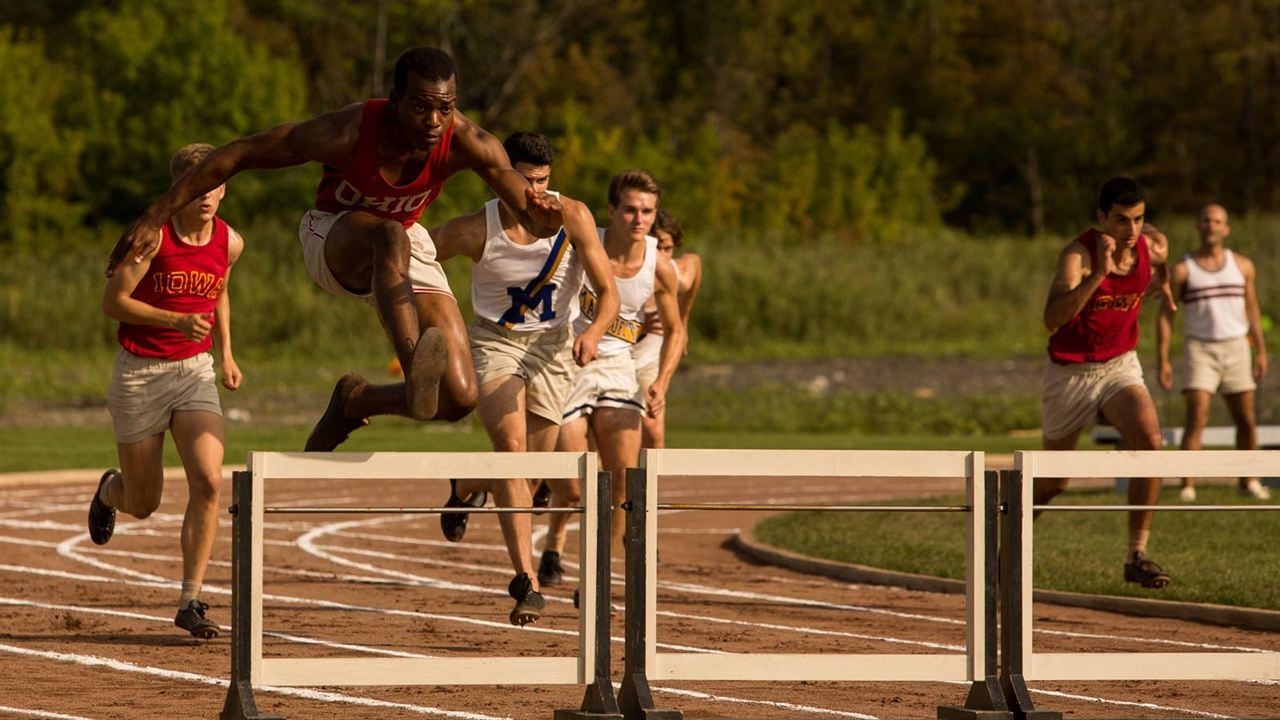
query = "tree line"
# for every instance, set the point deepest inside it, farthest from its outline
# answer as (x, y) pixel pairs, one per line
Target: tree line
(841, 120)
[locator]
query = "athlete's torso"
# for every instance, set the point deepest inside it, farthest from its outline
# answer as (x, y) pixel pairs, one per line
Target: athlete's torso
(362, 186)
(633, 292)
(181, 278)
(1107, 327)
(524, 287)
(1213, 301)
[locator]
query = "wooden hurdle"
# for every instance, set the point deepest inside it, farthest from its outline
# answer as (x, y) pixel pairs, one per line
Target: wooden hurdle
(645, 663)
(249, 669)
(1020, 663)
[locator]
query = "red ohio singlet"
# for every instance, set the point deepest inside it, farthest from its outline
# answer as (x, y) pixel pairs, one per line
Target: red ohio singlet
(361, 186)
(182, 278)
(1107, 327)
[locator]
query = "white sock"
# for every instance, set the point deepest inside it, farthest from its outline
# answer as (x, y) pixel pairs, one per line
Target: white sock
(190, 591)
(102, 494)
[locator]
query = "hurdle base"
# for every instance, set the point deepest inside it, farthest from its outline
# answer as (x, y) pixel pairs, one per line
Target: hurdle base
(240, 704)
(584, 715)
(1015, 688)
(985, 702)
(636, 700)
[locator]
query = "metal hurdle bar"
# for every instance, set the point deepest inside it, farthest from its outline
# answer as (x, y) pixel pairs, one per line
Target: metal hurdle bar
(643, 661)
(1020, 663)
(249, 668)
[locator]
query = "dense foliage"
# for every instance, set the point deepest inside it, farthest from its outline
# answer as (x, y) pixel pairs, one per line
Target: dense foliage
(846, 118)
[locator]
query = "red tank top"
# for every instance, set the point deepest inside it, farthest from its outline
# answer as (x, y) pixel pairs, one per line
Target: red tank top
(182, 278)
(361, 186)
(1107, 327)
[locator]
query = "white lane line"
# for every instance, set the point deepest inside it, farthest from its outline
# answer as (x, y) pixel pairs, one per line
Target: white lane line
(33, 713)
(1129, 703)
(302, 640)
(767, 703)
(306, 694)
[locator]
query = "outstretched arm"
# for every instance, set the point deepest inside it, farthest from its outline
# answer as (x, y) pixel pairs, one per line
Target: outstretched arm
(463, 235)
(581, 230)
(665, 290)
(691, 277)
(327, 139)
(476, 150)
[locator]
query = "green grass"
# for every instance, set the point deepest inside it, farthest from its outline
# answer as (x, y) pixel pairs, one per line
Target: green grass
(56, 448)
(1225, 558)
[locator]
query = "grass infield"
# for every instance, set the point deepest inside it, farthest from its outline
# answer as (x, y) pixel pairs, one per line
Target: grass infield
(1223, 558)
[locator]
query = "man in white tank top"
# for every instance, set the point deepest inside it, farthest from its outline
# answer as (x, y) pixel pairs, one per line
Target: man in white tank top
(688, 269)
(606, 400)
(1221, 320)
(522, 346)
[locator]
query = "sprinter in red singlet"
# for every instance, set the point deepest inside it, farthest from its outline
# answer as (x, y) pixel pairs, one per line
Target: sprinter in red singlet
(384, 162)
(171, 307)
(1093, 369)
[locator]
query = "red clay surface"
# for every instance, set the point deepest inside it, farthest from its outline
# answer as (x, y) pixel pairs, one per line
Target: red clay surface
(86, 632)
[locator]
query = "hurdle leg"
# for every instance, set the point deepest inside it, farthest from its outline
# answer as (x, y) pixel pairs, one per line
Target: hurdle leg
(1012, 679)
(986, 699)
(599, 702)
(240, 703)
(635, 698)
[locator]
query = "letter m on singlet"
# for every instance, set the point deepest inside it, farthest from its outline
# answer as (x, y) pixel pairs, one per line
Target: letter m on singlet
(522, 302)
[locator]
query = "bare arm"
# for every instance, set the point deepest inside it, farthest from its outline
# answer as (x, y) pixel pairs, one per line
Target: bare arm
(581, 230)
(1158, 248)
(118, 305)
(478, 151)
(1074, 282)
(463, 235)
(691, 272)
(1164, 327)
(327, 139)
(231, 375)
(1254, 313)
(665, 290)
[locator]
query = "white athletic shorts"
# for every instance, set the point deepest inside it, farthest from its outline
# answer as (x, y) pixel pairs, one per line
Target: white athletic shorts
(542, 358)
(145, 392)
(1073, 393)
(1219, 364)
(425, 274)
(648, 355)
(604, 382)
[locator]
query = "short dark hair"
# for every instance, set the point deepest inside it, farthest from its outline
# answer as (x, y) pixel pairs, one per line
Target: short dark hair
(529, 147)
(1120, 191)
(667, 223)
(632, 180)
(429, 63)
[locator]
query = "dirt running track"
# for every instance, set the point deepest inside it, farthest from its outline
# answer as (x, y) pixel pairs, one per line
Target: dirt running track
(86, 632)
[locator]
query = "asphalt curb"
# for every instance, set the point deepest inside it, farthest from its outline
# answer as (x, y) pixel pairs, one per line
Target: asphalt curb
(1251, 618)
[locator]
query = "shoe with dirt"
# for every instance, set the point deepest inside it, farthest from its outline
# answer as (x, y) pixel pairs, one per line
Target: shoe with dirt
(1187, 493)
(1146, 572)
(454, 524)
(102, 519)
(529, 602)
(550, 571)
(334, 426)
(1255, 489)
(542, 498)
(422, 381)
(191, 618)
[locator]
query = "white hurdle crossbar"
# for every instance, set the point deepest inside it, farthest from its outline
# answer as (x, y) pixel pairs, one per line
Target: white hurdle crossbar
(850, 464)
(1133, 666)
(310, 672)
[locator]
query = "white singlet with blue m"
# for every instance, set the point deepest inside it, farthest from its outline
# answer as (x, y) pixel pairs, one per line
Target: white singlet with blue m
(633, 292)
(524, 287)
